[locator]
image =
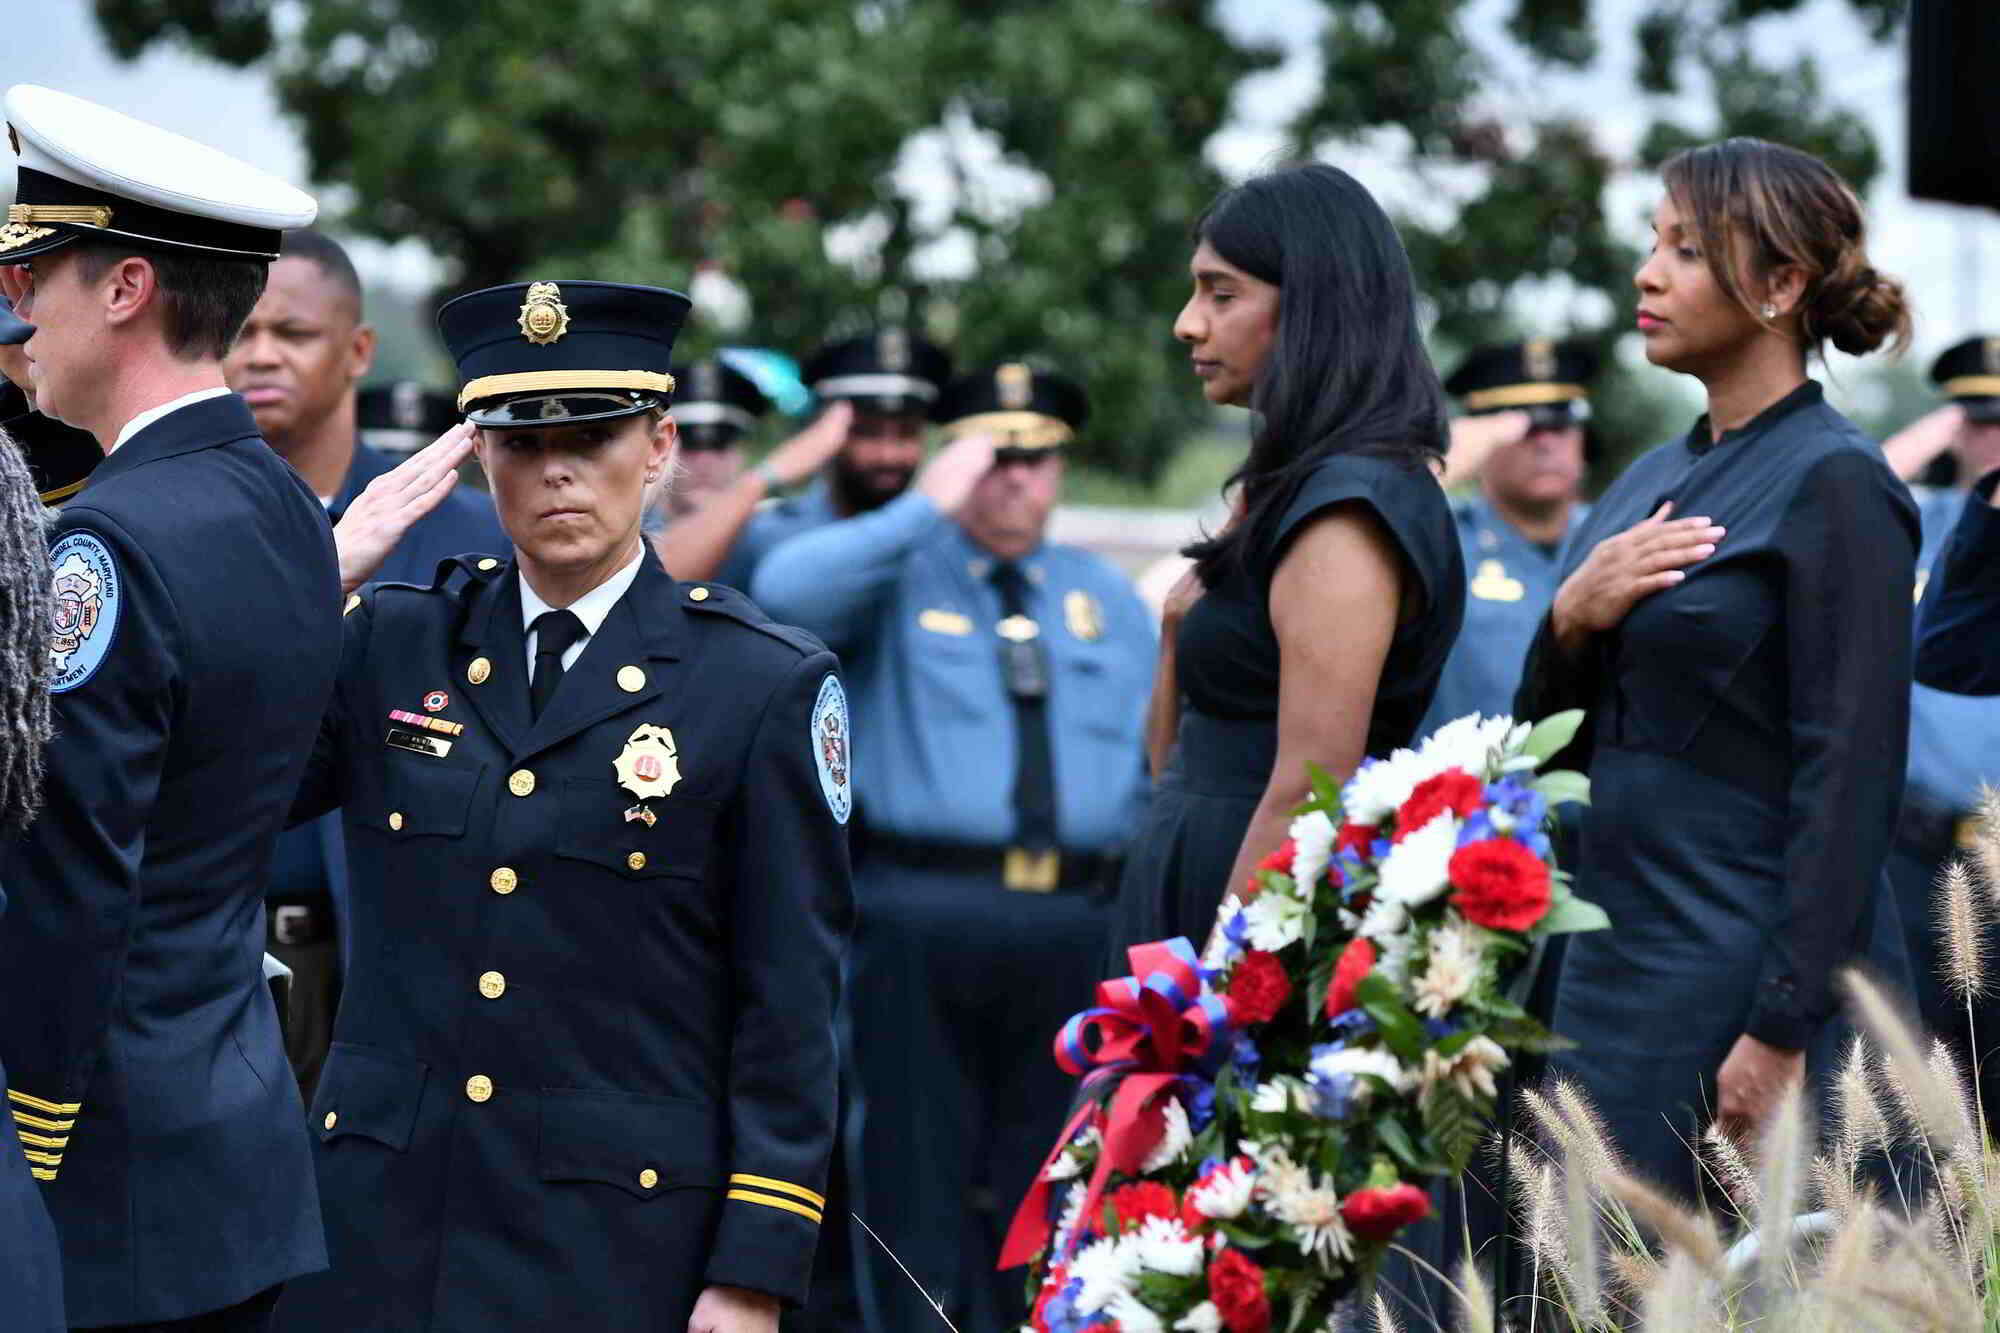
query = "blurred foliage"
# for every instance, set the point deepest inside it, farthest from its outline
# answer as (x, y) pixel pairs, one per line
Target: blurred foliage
(1060, 143)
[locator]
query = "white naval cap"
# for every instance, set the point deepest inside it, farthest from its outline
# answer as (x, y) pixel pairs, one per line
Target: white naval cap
(86, 170)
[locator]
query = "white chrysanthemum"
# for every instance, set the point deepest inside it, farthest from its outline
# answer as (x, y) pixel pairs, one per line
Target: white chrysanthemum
(1077, 1158)
(1385, 919)
(1393, 958)
(1219, 953)
(1470, 1071)
(1204, 1318)
(1176, 1136)
(1358, 1061)
(1107, 1268)
(1472, 743)
(1275, 920)
(1313, 1213)
(1451, 971)
(1418, 868)
(1224, 1194)
(1312, 837)
(1281, 1094)
(1072, 1214)
(1133, 1316)
(1377, 790)
(1166, 1247)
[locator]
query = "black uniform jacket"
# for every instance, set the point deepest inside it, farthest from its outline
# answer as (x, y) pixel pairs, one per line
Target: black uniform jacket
(197, 619)
(1960, 646)
(584, 1063)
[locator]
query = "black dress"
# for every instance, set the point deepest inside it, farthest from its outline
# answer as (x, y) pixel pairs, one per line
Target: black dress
(1227, 661)
(1745, 747)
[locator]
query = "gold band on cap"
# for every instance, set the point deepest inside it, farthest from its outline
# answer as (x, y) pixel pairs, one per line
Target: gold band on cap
(1523, 395)
(1017, 430)
(76, 215)
(1973, 386)
(531, 381)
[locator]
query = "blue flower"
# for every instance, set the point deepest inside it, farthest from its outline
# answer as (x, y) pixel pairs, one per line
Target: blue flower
(1334, 1088)
(1246, 1058)
(1200, 1100)
(1439, 1028)
(1061, 1312)
(1353, 1024)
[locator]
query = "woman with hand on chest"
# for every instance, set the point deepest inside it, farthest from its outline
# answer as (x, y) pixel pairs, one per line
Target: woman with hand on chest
(1735, 618)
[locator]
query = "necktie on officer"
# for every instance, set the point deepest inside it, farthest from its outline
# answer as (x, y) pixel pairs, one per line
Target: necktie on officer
(1024, 665)
(555, 632)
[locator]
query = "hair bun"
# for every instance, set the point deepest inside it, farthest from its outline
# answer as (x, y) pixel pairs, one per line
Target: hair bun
(1858, 310)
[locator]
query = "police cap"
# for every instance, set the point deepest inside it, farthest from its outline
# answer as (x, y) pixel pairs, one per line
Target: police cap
(1546, 379)
(1968, 373)
(715, 404)
(60, 457)
(1024, 407)
(88, 171)
(889, 370)
(556, 353)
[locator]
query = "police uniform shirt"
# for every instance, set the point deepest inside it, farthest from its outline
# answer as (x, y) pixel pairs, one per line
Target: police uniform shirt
(585, 1063)
(1961, 602)
(773, 525)
(1510, 583)
(907, 599)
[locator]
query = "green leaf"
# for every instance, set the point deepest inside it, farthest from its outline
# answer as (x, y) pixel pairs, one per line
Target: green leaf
(1564, 786)
(1572, 915)
(1303, 1297)
(1389, 1128)
(1399, 1028)
(1243, 1237)
(1453, 1126)
(1552, 734)
(1326, 792)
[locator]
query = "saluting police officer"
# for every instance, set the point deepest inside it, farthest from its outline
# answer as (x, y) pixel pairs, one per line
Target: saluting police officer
(1513, 528)
(1954, 738)
(1000, 682)
(716, 406)
(583, 1072)
(195, 631)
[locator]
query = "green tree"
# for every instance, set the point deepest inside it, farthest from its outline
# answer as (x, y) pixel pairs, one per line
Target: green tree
(648, 140)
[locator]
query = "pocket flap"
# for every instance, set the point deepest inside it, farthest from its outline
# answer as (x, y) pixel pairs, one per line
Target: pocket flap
(643, 1145)
(369, 1093)
(594, 828)
(423, 797)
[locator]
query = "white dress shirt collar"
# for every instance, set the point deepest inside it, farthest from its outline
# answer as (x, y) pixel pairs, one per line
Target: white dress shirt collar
(591, 609)
(152, 414)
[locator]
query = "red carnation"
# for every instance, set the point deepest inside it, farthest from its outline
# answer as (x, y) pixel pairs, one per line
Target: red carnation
(1280, 861)
(1454, 789)
(1357, 960)
(1357, 838)
(1257, 989)
(1501, 884)
(1135, 1203)
(1237, 1287)
(1378, 1214)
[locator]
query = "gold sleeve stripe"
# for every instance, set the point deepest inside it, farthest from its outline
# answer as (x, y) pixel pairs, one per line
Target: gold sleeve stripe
(45, 1158)
(43, 1140)
(779, 1187)
(20, 1098)
(27, 1121)
(41, 1173)
(773, 1201)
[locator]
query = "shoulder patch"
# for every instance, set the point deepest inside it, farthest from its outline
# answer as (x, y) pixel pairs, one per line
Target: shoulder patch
(84, 616)
(833, 749)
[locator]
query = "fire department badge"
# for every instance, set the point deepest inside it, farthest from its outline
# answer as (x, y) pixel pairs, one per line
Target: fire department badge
(544, 317)
(649, 765)
(832, 750)
(84, 618)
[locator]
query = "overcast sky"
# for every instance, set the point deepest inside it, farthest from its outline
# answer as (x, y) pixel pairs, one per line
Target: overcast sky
(1949, 256)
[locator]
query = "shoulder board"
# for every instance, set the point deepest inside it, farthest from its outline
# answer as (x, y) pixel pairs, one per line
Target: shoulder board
(715, 599)
(455, 575)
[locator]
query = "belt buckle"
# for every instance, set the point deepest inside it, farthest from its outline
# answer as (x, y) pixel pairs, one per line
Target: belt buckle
(291, 923)
(1029, 871)
(1965, 832)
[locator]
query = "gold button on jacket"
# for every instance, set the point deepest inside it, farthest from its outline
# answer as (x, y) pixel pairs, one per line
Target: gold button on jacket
(479, 1087)
(522, 782)
(648, 1178)
(332, 1119)
(492, 985)
(396, 820)
(503, 880)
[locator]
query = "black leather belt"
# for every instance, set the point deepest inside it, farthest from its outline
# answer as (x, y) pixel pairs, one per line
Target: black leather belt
(1016, 868)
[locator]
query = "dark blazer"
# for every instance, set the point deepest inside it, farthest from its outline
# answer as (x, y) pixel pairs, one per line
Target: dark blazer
(584, 1064)
(1961, 608)
(197, 616)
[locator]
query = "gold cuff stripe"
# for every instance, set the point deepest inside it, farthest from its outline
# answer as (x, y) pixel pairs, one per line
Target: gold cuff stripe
(1972, 386)
(773, 1201)
(43, 1140)
(41, 1173)
(779, 1187)
(75, 215)
(1523, 395)
(45, 1158)
(530, 381)
(1017, 430)
(27, 1121)
(20, 1098)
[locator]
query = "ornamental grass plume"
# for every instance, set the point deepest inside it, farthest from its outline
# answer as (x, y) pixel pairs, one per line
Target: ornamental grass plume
(1384, 1321)
(1986, 841)
(1964, 918)
(1931, 1107)
(1781, 1187)
(1730, 1172)
(1475, 1299)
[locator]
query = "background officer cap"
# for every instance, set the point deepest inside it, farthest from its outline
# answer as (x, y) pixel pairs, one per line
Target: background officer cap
(1024, 407)
(889, 370)
(556, 353)
(86, 170)
(1968, 373)
(403, 416)
(1546, 378)
(715, 404)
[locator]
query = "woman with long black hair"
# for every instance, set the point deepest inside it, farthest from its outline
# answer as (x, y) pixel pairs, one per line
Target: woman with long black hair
(1314, 626)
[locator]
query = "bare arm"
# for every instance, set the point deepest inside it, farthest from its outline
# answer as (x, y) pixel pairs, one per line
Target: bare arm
(695, 546)
(1910, 450)
(1163, 712)
(1343, 570)
(1473, 440)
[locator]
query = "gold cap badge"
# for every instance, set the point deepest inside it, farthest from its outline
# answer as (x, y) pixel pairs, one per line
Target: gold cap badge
(544, 318)
(649, 765)
(1538, 358)
(1991, 355)
(1015, 384)
(892, 349)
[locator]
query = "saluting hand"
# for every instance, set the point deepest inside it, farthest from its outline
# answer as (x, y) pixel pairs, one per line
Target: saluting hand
(805, 453)
(1750, 1083)
(948, 479)
(734, 1310)
(1475, 439)
(382, 513)
(1622, 569)
(1910, 450)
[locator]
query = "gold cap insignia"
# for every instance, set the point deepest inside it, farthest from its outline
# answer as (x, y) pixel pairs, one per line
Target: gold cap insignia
(649, 765)
(1991, 355)
(1538, 358)
(544, 318)
(892, 349)
(1083, 615)
(1016, 385)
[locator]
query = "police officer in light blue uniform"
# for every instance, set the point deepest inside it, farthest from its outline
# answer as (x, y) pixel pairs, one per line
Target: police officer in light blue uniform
(1513, 529)
(1954, 738)
(999, 683)
(891, 377)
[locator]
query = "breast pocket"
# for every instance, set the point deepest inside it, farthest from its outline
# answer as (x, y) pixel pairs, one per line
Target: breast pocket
(642, 1145)
(1680, 651)
(1096, 698)
(370, 1094)
(422, 798)
(595, 828)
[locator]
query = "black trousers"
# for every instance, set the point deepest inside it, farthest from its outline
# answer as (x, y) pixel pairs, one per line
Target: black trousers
(252, 1316)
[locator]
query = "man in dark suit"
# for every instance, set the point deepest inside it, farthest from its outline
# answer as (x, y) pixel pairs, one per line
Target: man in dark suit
(195, 631)
(297, 363)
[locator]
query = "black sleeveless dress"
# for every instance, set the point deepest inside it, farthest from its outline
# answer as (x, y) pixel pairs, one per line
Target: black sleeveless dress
(1180, 857)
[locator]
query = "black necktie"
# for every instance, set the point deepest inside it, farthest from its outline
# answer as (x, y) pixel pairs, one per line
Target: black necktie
(554, 632)
(1024, 666)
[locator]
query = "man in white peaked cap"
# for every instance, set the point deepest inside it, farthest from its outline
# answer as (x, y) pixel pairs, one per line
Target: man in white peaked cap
(195, 633)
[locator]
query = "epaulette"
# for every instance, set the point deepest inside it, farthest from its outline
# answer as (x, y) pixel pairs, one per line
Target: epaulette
(454, 575)
(719, 600)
